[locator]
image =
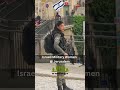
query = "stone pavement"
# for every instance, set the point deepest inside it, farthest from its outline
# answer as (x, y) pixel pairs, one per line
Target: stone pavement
(45, 80)
(49, 83)
(75, 72)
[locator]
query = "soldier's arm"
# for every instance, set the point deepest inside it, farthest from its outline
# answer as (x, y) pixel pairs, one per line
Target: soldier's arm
(56, 44)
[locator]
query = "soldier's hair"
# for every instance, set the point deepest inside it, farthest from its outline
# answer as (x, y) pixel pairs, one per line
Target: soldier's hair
(58, 24)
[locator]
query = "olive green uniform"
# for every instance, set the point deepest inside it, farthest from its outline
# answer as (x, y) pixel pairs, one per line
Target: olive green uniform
(60, 76)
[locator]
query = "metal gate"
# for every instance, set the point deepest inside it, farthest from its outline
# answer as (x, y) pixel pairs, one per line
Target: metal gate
(101, 54)
(11, 41)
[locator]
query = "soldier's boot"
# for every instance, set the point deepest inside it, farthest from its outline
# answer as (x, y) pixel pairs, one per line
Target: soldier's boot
(59, 87)
(66, 88)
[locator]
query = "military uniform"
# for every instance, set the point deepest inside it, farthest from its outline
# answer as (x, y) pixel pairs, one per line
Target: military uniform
(59, 46)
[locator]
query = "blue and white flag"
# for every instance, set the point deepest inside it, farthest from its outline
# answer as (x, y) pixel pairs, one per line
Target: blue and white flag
(58, 5)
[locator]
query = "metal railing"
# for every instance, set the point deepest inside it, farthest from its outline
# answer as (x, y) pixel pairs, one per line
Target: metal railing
(101, 49)
(49, 25)
(11, 43)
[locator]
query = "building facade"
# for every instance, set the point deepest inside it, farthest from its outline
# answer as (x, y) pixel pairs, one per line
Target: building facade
(44, 8)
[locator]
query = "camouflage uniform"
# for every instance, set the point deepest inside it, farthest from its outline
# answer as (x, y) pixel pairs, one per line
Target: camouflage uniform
(61, 50)
(60, 76)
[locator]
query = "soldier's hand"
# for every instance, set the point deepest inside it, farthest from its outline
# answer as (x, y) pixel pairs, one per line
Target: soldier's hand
(66, 56)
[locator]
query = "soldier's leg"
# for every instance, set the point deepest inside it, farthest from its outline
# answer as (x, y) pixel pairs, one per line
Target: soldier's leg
(63, 75)
(64, 81)
(59, 77)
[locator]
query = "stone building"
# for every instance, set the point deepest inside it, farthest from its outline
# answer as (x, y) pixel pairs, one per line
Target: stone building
(44, 8)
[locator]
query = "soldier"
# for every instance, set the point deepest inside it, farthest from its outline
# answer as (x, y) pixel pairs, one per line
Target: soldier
(59, 46)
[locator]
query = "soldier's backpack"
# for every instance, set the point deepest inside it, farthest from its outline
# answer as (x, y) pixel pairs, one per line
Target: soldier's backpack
(49, 43)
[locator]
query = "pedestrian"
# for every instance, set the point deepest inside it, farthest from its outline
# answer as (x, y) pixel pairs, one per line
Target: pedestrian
(37, 21)
(59, 46)
(72, 13)
(57, 17)
(67, 13)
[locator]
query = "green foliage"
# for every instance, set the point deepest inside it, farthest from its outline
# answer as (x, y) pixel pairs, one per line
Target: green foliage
(78, 24)
(78, 30)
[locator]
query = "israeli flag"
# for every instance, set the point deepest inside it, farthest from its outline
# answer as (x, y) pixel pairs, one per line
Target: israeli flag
(58, 5)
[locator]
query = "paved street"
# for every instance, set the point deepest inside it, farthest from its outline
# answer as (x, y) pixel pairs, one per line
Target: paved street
(45, 80)
(45, 69)
(49, 83)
